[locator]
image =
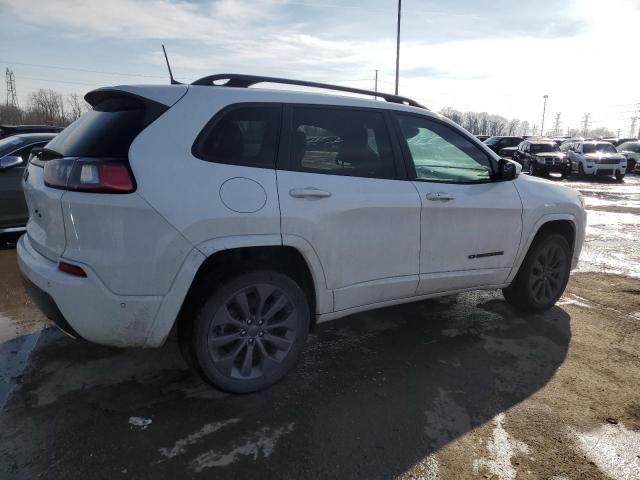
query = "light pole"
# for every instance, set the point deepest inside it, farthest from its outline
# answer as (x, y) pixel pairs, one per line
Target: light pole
(544, 109)
(398, 46)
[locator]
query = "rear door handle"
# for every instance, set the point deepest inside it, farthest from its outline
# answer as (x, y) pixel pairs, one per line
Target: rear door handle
(439, 197)
(308, 192)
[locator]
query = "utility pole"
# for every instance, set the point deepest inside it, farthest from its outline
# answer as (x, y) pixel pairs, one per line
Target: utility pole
(12, 96)
(544, 110)
(556, 125)
(398, 46)
(632, 131)
(585, 123)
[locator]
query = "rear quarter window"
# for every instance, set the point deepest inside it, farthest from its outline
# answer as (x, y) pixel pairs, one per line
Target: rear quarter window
(241, 135)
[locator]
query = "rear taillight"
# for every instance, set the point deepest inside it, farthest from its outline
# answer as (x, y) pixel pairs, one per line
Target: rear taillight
(89, 175)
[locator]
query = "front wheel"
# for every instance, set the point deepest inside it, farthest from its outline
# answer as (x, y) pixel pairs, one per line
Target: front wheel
(543, 275)
(619, 176)
(250, 331)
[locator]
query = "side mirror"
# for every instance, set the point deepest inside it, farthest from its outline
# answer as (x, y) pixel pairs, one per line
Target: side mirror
(10, 161)
(508, 170)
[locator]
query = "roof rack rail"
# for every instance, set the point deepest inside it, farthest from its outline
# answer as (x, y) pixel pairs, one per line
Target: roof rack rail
(245, 81)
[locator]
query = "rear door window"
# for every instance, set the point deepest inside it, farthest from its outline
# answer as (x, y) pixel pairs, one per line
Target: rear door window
(341, 142)
(243, 135)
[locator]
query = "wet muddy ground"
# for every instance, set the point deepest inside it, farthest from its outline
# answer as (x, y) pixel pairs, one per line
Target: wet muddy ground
(455, 388)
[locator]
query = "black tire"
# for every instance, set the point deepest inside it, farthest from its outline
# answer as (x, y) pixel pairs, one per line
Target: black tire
(533, 170)
(619, 176)
(581, 172)
(250, 331)
(543, 275)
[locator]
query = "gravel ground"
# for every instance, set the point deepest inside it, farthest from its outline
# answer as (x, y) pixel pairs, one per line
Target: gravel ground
(455, 388)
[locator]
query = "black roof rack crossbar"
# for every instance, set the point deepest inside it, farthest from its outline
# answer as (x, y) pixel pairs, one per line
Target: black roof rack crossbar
(245, 81)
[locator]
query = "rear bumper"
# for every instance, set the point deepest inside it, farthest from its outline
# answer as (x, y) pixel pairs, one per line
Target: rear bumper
(48, 306)
(84, 307)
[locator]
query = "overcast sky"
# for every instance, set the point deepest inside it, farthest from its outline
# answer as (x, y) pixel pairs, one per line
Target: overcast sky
(498, 56)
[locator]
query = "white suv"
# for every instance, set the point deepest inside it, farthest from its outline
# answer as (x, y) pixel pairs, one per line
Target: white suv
(242, 217)
(597, 158)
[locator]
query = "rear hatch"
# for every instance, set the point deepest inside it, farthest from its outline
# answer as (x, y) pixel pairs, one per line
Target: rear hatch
(73, 161)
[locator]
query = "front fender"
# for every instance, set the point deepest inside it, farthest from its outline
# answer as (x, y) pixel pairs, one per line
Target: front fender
(524, 248)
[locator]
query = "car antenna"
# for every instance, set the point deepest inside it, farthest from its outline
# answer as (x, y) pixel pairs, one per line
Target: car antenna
(173, 80)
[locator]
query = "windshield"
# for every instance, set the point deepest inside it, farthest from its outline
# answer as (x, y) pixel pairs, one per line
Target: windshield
(9, 144)
(629, 147)
(544, 148)
(492, 140)
(598, 148)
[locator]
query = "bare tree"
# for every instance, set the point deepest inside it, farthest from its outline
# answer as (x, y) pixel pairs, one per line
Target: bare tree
(45, 106)
(10, 114)
(77, 106)
(513, 127)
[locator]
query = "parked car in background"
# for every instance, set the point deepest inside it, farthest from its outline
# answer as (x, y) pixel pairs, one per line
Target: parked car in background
(540, 157)
(14, 155)
(497, 143)
(597, 158)
(617, 141)
(142, 225)
(9, 130)
(631, 150)
(482, 138)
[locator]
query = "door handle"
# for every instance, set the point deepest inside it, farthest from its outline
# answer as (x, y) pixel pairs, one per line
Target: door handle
(439, 197)
(308, 192)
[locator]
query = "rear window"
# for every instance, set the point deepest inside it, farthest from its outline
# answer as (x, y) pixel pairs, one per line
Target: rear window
(109, 129)
(244, 135)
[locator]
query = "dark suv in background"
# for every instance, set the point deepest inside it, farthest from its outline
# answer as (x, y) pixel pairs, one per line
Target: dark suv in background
(9, 130)
(540, 157)
(498, 143)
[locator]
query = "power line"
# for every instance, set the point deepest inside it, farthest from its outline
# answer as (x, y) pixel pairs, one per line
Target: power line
(102, 72)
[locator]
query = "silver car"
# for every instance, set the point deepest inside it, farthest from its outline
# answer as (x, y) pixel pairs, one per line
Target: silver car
(14, 155)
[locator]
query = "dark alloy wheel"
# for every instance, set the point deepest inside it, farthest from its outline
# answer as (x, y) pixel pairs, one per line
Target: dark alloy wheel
(250, 331)
(543, 275)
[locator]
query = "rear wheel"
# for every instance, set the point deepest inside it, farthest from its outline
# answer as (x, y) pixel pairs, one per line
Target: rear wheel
(250, 331)
(543, 275)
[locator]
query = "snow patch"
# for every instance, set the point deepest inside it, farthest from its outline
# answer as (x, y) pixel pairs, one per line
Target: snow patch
(613, 449)
(426, 469)
(501, 448)
(264, 440)
(576, 300)
(140, 422)
(180, 446)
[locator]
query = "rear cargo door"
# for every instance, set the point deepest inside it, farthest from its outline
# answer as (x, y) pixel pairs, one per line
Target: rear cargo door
(45, 227)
